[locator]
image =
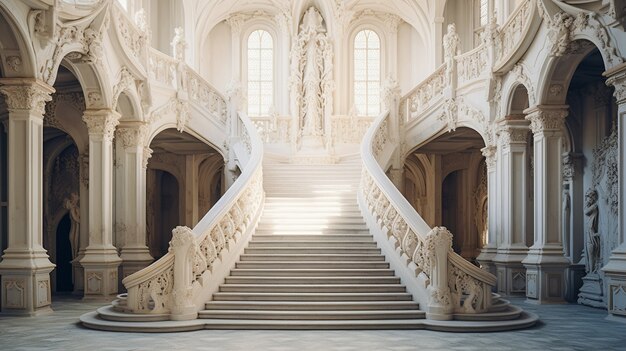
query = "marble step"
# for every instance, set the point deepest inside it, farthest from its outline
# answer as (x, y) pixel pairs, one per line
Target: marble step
(311, 305)
(311, 250)
(304, 221)
(284, 257)
(312, 315)
(313, 280)
(312, 264)
(316, 296)
(317, 244)
(309, 272)
(329, 237)
(312, 288)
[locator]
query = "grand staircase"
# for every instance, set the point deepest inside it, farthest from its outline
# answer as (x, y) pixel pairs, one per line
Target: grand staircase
(312, 263)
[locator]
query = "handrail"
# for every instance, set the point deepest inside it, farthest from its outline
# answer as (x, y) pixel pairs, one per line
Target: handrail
(454, 285)
(514, 36)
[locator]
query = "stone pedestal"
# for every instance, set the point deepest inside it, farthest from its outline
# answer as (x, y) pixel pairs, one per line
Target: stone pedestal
(591, 293)
(25, 267)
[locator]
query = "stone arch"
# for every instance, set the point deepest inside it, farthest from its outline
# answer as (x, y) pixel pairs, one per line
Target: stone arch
(17, 57)
(125, 98)
(93, 78)
(517, 99)
(557, 71)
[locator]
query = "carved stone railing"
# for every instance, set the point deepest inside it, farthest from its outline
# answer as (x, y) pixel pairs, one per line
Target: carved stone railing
(204, 94)
(514, 36)
(452, 285)
(472, 65)
(180, 282)
(424, 95)
(162, 68)
(134, 40)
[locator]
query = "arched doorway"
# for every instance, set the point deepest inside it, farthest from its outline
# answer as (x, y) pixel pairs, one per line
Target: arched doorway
(444, 176)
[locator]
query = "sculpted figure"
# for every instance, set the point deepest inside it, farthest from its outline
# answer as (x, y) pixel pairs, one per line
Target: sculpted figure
(592, 244)
(71, 204)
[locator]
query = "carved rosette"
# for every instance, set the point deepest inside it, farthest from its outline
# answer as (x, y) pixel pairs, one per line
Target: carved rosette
(543, 120)
(101, 123)
(25, 96)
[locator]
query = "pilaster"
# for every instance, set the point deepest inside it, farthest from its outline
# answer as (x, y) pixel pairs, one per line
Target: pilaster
(545, 263)
(512, 249)
(101, 261)
(615, 269)
(132, 155)
(25, 266)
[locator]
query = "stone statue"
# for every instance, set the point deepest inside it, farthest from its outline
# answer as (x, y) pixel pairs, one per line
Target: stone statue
(312, 120)
(179, 44)
(451, 48)
(311, 80)
(592, 245)
(71, 205)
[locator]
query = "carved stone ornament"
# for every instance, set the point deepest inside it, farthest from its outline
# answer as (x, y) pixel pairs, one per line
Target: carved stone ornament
(181, 236)
(147, 154)
(490, 153)
(14, 63)
(101, 123)
(27, 97)
(450, 114)
(547, 119)
(126, 81)
(509, 135)
(618, 82)
(132, 137)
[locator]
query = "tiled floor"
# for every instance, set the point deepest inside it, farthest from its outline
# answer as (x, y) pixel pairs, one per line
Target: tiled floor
(562, 327)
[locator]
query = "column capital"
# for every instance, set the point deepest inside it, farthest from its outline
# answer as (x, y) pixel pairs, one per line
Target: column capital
(490, 153)
(513, 130)
(546, 117)
(132, 135)
(101, 123)
(616, 78)
(147, 154)
(26, 94)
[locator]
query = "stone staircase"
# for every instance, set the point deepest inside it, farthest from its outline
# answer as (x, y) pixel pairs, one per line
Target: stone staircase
(312, 262)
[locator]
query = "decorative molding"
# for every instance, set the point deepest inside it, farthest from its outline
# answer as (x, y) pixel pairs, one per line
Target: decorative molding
(125, 82)
(450, 115)
(490, 153)
(132, 137)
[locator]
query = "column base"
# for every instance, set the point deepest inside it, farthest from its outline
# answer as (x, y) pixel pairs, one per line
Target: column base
(100, 273)
(511, 278)
(25, 285)
(615, 280)
(78, 275)
(591, 294)
(545, 283)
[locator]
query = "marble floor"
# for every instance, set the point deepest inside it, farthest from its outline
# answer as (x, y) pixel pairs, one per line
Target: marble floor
(562, 327)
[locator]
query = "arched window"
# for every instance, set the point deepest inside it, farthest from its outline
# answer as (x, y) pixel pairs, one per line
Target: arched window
(367, 73)
(260, 73)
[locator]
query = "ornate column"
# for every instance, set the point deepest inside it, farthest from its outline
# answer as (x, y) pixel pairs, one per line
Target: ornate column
(512, 249)
(615, 269)
(130, 201)
(545, 263)
(100, 261)
(25, 267)
(488, 252)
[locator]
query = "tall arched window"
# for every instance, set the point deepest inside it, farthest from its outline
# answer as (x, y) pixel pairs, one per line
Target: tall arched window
(367, 73)
(260, 73)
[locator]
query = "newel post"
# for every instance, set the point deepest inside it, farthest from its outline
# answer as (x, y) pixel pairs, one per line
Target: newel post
(182, 246)
(438, 244)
